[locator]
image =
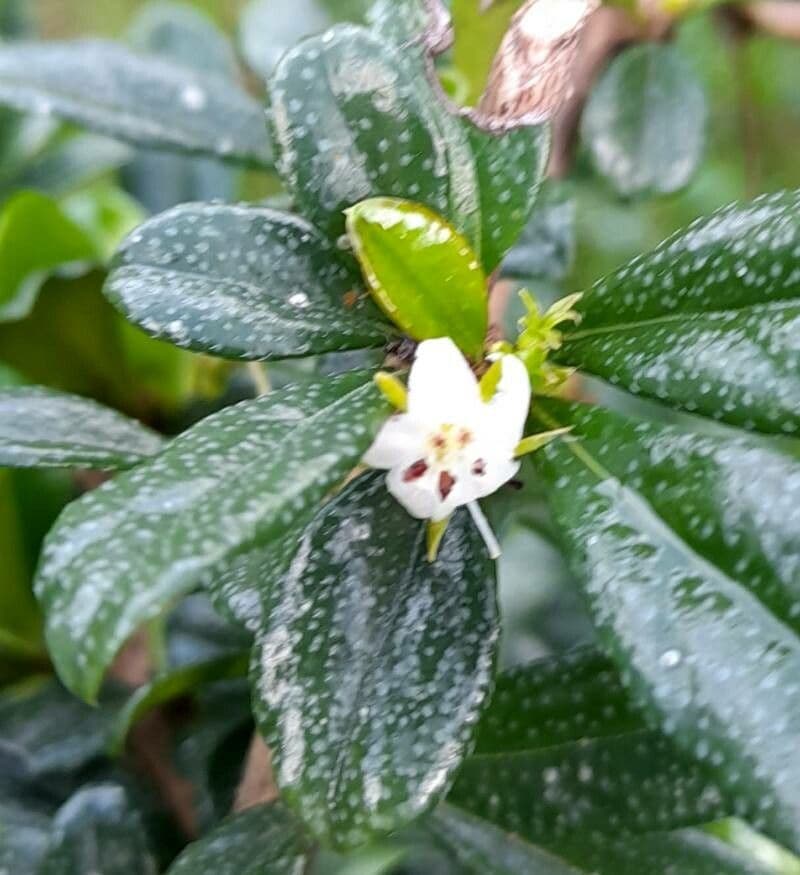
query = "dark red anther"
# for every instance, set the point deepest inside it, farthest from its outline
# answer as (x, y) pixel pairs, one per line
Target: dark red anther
(479, 468)
(415, 471)
(446, 484)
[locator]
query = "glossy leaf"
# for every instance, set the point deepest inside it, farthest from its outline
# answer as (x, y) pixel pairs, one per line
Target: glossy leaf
(43, 428)
(690, 575)
(422, 273)
(561, 755)
(645, 121)
(242, 282)
(706, 321)
(343, 136)
(261, 841)
(36, 238)
(170, 686)
(98, 828)
(179, 33)
(237, 480)
(139, 99)
(481, 849)
(373, 664)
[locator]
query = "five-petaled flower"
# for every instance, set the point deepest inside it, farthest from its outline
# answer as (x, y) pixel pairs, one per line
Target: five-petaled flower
(449, 446)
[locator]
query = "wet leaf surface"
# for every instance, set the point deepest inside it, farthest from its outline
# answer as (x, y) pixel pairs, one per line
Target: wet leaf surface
(354, 118)
(242, 282)
(480, 848)
(239, 479)
(261, 841)
(43, 428)
(645, 121)
(708, 320)
(421, 272)
(373, 664)
(132, 97)
(561, 755)
(693, 589)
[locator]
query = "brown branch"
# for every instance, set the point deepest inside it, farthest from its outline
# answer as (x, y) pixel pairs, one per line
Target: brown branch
(150, 741)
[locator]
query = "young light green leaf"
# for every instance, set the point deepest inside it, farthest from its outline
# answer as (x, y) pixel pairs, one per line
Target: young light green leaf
(143, 100)
(343, 137)
(242, 282)
(373, 664)
(261, 841)
(36, 238)
(43, 428)
(421, 271)
(687, 545)
(236, 481)
(706, 321)
(645, 121)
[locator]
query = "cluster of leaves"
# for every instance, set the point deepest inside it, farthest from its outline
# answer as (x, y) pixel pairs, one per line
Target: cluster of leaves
(397, 745)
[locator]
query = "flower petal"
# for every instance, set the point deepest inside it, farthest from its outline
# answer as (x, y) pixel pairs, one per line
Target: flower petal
(506, 413)
(399, 442)
(441, 386)
(496, 472)
(418, 496)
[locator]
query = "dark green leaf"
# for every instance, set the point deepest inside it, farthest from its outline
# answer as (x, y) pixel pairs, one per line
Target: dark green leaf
(144, 100)
(706, 321)
(43, 428)
(244, 282)
(177, 32)
(421, 271)
(688, 547)
(373, 664)
(98, 831)
(234, 482)
(645, 121)
(482, 849)
(561, 755)
(170, 686)
(53, 734)
(269, 27)
(23, 838)
(36, 238)
(262, 841)
(344, 136)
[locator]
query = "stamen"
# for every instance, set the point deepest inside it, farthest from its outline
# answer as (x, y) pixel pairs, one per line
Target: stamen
(482, 525)
(415, 471)
(446, 484)
(479, 468)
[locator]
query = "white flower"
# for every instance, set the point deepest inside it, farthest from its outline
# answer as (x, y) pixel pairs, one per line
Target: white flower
(450, 447)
